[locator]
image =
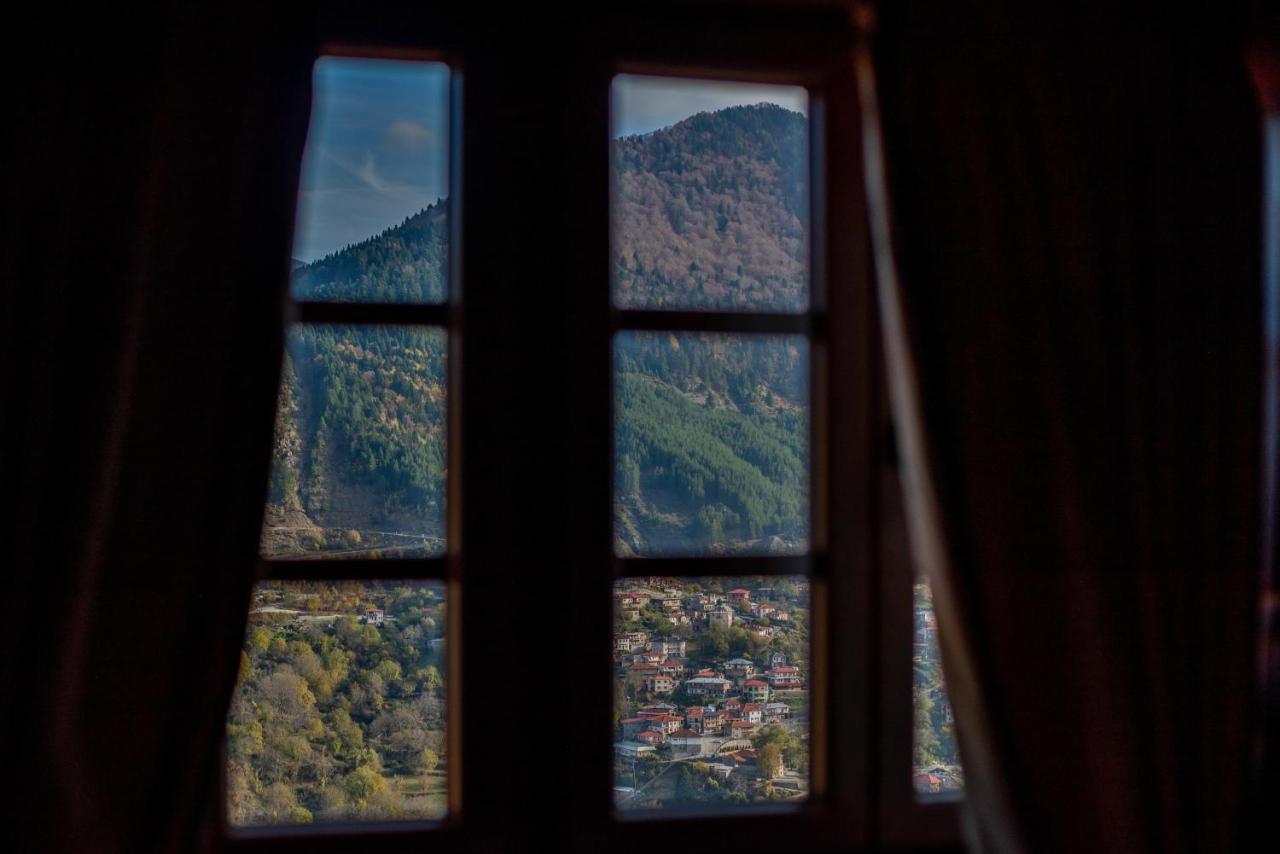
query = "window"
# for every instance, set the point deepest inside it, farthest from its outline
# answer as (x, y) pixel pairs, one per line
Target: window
(547, 483)
(340, 709)
(710, 219)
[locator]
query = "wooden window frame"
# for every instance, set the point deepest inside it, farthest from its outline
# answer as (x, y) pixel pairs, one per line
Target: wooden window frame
(860, 766)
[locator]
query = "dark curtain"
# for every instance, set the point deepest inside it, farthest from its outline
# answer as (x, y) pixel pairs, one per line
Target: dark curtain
(152, 157)
(1264, 62)
(1074, 338)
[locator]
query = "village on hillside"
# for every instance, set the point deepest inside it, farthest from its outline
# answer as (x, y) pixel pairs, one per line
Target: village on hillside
(711, 691)
(936, 757)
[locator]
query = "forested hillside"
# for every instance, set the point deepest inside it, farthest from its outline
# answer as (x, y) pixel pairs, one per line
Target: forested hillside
(407, 263)
(338, 712)
(712, 445)
(712, 213)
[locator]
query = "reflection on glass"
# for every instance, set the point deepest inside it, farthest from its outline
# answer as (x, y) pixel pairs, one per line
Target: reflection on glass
(359, 460)
(936, 760)
(338, 712)
(711, 444)
(711, 195)
(372, 217)
(711, 692)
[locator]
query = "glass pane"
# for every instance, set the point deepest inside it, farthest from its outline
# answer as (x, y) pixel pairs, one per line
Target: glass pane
(359, 461)
(338, 712)
(711, 692)
(372, 214)
(936, 761)
(711, 195)
(711, 444)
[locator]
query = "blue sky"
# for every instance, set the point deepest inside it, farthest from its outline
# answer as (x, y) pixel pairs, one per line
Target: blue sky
(377, 148)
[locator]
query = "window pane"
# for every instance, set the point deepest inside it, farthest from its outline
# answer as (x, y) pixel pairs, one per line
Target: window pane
(359, 461)
(711, 195)
(338, 712)
(936, 763)
(711, 444)
(711, 692)
(372, 214)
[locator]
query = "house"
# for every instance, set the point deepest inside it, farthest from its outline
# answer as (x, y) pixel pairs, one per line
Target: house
(685, 743)
(693, 718)
(633, 750)
(722, 616)
(373, 616)
(756, 691)
(630, 615)
(731, 706)
(633, 726)
(666, 724)
(775, 713)
(783, 678)
(669, 646)
(713, 723)
(630, 641)
(742, 729)
(660, 684)
(739, 668)
(739, 597)
(762, 631)
(654, 737)
(631, 599)
(640, 671)
(777, 659)
(654, 709)
(753, 712)
(713, 686)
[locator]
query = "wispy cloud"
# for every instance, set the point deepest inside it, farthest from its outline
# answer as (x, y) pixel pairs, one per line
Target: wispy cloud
(366, 171)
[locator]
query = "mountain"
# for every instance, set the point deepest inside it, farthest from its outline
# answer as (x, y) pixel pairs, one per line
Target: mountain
(405, 263)
(712, 432)
(712, 213)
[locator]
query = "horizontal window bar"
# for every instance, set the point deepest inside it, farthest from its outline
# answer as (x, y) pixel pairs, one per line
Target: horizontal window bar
(718, 321)
(362, 312)
(812, 826)
(353, 569)
(719, 567)
(385, 836)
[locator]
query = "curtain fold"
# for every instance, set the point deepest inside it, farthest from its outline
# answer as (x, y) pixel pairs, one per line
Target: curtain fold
(146, 234)
(1070, 294)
